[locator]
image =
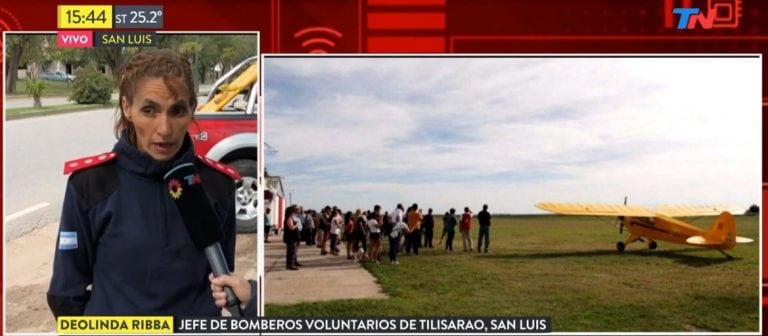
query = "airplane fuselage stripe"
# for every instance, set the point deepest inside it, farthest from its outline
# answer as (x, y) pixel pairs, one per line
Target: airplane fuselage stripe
(650, 227)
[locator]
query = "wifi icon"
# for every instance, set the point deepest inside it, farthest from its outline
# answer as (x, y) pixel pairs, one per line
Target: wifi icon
(318, 40)
(8, 23)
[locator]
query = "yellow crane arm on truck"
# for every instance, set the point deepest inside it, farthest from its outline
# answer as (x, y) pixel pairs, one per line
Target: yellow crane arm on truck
(228, 91)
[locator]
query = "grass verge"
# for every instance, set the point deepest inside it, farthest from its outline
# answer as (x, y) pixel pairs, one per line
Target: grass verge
(28, 112)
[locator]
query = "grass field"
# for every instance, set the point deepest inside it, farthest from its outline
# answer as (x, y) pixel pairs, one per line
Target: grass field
(53, 88)
(567, 268)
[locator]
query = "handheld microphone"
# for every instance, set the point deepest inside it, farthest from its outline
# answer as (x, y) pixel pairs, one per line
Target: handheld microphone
(203, 226)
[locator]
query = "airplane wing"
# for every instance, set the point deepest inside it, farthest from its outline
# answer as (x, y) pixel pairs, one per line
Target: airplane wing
(696, 210)
(612, 210)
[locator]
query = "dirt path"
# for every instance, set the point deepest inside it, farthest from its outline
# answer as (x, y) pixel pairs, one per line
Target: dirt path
(29, 261)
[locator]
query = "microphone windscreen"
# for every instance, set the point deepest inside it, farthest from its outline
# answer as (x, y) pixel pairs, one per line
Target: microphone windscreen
(187, 192)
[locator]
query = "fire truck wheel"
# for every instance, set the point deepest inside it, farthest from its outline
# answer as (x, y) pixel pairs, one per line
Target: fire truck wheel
(245, 196)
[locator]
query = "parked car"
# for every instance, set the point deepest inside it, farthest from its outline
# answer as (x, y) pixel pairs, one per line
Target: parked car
(57, 76)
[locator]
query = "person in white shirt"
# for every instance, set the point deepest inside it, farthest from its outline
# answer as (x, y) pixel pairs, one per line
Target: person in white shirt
(398, 216)
(336, 223)
(394, 240)
(374, 235)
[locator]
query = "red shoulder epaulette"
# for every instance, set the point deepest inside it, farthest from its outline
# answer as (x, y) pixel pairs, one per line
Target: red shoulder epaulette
(88, 161)
(220, 167)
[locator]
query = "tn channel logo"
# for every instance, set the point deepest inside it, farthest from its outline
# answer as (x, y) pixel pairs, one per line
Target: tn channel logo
(718, 14)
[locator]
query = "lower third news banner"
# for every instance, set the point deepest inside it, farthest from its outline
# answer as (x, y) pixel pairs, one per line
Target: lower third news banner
(377, 325)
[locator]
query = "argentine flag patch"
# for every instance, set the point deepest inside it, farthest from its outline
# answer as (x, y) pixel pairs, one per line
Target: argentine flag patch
(67, 240)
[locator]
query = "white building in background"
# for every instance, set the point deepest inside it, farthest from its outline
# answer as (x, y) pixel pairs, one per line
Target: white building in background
(274, 199)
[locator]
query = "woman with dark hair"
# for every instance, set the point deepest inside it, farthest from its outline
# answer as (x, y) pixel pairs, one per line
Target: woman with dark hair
(324, 229)
(336, 224)
(291, 238)
(359, 232)
(349, 228)
(123, 246)
(374, 229)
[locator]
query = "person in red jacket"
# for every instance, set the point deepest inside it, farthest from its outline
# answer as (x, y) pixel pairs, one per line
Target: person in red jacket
(465, 226)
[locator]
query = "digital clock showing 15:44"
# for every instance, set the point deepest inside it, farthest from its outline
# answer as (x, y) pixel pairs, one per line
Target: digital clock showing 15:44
(84, 16)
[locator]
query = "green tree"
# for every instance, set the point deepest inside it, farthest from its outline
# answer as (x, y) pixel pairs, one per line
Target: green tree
(227, 49)
(20, 49)
(229, 57)
(91, 86)
(77, 57)
(170, 41)
(191, 50)
(243, 46)
(113, 57)
(35, 88)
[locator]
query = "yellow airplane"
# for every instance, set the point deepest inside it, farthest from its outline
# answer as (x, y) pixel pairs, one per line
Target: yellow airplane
(660, 224)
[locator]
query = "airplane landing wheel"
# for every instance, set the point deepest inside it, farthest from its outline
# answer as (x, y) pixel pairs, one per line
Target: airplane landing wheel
(653, 245)
(620, 247)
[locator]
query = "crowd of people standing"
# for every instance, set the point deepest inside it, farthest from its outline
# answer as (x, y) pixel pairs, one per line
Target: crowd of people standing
(362, 232)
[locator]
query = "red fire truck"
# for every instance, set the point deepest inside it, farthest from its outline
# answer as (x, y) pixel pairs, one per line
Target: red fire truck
(225, 129)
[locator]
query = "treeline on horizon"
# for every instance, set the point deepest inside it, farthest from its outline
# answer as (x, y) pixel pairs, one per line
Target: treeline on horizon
(203, 50)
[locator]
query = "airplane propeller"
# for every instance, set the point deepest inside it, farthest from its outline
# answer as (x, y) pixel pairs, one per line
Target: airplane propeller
(621, 219)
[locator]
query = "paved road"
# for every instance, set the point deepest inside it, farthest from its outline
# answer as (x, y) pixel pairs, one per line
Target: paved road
(35, 152)
(290, 287)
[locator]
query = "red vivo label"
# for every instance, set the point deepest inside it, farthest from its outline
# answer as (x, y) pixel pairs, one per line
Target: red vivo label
(75, 39)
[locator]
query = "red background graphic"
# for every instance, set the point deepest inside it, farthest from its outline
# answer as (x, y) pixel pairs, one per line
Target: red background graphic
(447, 26)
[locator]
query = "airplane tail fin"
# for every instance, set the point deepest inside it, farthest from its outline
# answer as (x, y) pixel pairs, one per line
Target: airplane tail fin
(722, 234)
(723, 230)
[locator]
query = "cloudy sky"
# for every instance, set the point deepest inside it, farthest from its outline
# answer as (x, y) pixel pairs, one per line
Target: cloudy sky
(511, 132)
